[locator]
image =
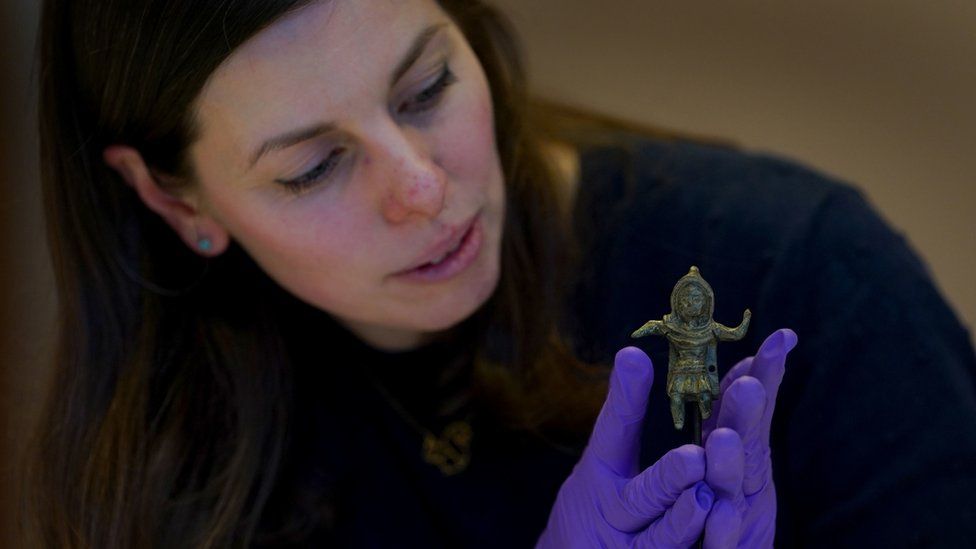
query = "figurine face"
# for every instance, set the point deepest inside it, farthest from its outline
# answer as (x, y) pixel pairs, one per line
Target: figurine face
(691, 302)
(389, 215)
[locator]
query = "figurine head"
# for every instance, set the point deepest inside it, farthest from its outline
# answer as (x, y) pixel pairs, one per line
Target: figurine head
(692, 299)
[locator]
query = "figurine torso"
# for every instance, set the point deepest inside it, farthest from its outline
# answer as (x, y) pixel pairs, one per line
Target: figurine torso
(690, 349)
(688, 364)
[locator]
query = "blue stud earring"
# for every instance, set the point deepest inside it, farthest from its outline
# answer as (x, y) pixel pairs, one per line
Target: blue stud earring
(204, 244)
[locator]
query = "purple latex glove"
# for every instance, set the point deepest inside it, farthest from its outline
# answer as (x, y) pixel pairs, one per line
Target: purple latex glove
(745, 409)
(607, 502)
(725, 459)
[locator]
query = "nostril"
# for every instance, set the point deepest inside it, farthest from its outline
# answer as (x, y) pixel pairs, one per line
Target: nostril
(420, 192)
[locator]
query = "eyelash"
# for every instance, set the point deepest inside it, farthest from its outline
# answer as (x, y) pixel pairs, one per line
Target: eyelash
(312, 176)
(425, 100)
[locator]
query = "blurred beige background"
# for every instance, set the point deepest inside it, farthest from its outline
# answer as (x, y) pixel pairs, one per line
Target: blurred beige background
(878, 93)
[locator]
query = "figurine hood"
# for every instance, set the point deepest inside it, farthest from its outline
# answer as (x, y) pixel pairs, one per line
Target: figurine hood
(694, 277)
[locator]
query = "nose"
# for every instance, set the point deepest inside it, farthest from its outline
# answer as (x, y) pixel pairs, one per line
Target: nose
(417, 184)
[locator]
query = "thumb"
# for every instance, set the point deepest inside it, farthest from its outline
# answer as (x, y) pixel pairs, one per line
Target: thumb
(683, 523)
(616, 436)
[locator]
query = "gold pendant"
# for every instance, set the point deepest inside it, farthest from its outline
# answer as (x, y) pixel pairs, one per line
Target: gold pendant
(451, 451)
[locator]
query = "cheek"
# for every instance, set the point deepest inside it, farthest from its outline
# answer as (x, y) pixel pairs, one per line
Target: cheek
(299, 240)
(312, 259)
(315, 239)
(467, 144)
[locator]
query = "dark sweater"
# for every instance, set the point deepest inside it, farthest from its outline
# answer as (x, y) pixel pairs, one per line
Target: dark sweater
(874, 436)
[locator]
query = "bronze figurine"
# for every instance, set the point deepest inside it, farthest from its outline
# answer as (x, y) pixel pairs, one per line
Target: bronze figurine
(692, 336)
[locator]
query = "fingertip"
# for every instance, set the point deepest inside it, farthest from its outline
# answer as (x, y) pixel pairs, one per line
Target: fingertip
(687, 516)
(725, 462)
(770, 364)
(723, 434)
(743, 405)
(678, 470)
(778, 344)
(693, 452)
(656, 489)
(790, 339)
(723, 439)
(633, 374)
(633, 360)
(704, 496)
(741, 368)
(688, 463)
(746, 390)
(771, 346)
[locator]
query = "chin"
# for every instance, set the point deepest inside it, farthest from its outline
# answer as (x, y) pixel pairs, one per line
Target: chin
(453, 311)
(450, 315)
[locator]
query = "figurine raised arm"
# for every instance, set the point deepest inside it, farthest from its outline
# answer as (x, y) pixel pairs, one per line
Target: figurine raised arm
(692, 337)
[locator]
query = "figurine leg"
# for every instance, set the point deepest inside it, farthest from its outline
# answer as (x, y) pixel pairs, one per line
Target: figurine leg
(705, 404)
(678, 410)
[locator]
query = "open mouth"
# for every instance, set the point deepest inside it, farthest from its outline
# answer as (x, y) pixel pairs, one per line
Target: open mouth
(449, 253)
(451, 262)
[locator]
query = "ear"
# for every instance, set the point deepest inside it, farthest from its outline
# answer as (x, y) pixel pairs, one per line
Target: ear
(201, 232)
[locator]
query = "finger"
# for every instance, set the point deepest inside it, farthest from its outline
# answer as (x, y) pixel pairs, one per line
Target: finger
(616, 436)
(743, 413)
(724, 472)
(723, 464)
(722, 526)
(740, 369)
(651, 493)
(760, 533)
(769, 367)
(683, 523)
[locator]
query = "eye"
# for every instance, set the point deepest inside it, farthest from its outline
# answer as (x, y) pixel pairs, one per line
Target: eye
(316, 174)
(429, 97)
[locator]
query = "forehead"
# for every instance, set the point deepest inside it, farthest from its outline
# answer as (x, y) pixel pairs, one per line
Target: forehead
(309, 65)
(691, 289)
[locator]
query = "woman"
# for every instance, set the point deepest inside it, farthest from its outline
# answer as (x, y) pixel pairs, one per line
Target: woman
(326, 278)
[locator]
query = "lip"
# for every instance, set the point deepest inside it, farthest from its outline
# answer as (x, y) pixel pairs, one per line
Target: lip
(464, 248)
(443, 246)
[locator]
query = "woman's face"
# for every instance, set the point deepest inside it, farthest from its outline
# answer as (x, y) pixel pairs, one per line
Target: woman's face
(348, 148)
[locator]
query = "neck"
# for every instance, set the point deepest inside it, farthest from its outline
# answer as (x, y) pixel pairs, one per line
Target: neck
(389, 339)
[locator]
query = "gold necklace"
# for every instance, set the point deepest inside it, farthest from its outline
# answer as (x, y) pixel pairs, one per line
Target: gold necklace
(450, 451)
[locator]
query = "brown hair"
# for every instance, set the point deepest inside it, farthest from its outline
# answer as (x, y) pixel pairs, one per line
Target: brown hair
(166, 420)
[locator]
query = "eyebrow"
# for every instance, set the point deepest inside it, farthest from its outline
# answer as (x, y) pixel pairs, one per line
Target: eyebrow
(295, 137)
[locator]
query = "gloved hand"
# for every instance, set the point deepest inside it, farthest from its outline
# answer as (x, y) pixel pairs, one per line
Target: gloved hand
(606, 502)
(746, 407)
